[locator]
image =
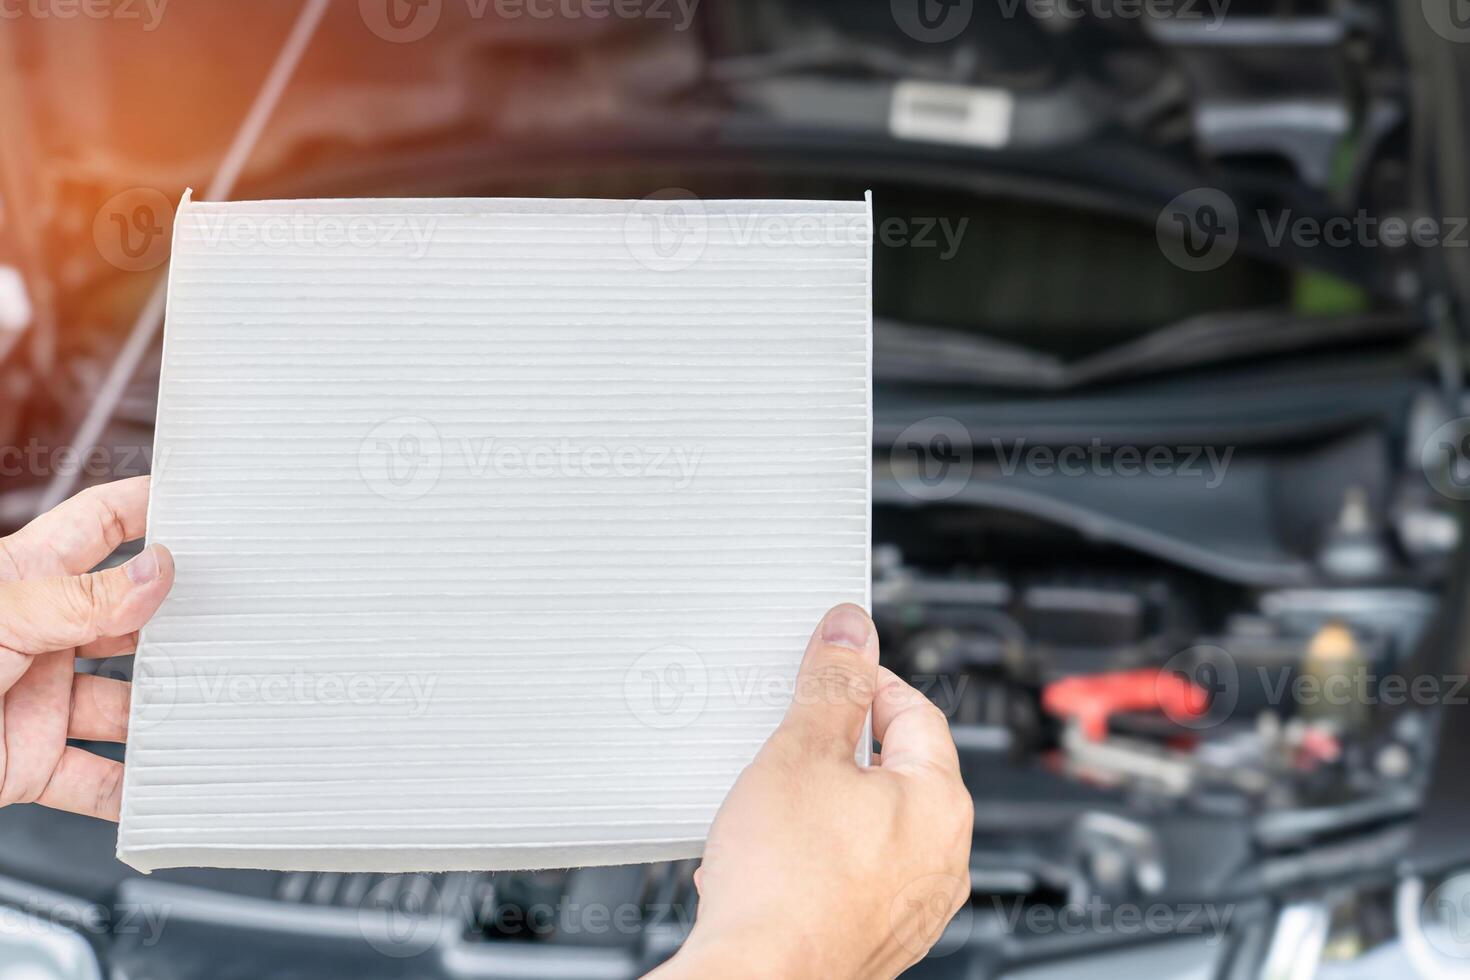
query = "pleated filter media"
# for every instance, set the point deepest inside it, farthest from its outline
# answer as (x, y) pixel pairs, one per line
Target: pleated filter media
(500, 525)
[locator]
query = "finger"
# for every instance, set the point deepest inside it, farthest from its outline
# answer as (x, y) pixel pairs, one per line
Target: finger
(74, 536)
(85, 783)
(110, 646)
(99, 708)
(35, 714)
(13, 666)
(41, 615)
(913, 732)
(834, 688)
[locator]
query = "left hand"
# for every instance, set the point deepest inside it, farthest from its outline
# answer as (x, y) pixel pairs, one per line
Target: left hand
(51, 612)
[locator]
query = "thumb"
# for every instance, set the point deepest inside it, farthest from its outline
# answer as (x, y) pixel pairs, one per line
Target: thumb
(836, 684)
(48, 614)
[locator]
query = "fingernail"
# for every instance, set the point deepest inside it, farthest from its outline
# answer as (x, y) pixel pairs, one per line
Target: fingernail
(142, 568)
(847, 626)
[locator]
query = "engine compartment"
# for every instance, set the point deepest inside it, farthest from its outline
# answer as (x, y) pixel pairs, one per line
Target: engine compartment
(1156, 613)
(1169, 547)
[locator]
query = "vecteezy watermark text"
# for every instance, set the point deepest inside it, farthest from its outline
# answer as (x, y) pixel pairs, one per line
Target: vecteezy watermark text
(565, 457)
(1283, 686)
(408, 233)
(1363, 230)
(1216, 672)
(940, 21)
(147, 13)
(37, 916)
(412, 691)
(172, 685)
(1096, 917)
(671, 230)
(37, 459)
(1199, 230)
(405, 21)
(1098, 458)
(942, 233)
(403, 458)
(1212, 11)
(667, 687)
(406, 915)
(935, 459)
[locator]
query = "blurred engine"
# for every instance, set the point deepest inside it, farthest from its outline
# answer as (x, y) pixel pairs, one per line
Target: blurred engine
(1169, 545)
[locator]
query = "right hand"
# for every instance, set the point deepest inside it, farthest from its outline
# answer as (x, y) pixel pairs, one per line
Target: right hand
(817, 867)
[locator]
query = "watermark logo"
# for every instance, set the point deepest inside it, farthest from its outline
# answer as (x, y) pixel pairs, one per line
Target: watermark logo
(401, 459)
(132, 231)
(155, 688)
(1445, 914)
(667, 231)
(1450, 19)
(923, 917)
(1212, 671)
(1199, 230)
(932, 21)
(667, 687)
(400, 916)
(108, 701)
(933, 459)
(1445, 458)
(400, 21)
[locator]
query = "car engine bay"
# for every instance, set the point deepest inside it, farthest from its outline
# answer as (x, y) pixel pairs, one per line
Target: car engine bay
(1176, 550)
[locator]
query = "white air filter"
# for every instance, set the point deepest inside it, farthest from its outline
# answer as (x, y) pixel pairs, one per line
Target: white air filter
(500, 525)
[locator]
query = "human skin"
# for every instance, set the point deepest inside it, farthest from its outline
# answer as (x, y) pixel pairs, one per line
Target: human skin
(52, 611)
(818, 867)
(815, 866)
